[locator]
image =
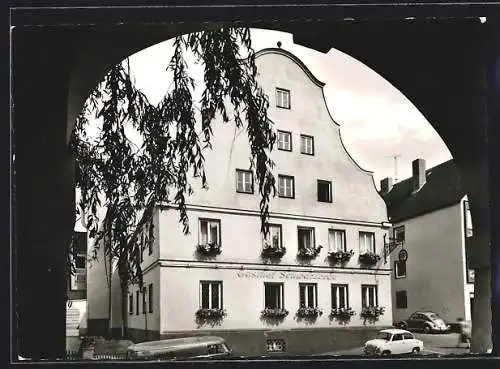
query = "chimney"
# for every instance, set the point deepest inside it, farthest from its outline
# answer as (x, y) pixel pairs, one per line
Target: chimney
(418, 179)
(386, 185)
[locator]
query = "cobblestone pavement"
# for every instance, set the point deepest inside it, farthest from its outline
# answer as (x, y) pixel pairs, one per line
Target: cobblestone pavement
(434, 344)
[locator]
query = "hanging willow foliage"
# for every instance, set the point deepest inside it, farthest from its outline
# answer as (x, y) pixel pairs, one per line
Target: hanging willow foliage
(129, 181)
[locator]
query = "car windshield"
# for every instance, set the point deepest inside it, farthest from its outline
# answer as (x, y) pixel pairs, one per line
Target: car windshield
(383, 336)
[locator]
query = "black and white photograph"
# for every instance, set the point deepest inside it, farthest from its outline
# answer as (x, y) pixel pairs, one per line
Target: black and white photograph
(245, 186)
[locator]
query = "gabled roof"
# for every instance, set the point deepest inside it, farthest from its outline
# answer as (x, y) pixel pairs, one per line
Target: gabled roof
(443, 188)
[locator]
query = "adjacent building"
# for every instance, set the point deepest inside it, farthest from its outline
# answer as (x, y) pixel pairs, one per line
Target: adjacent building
(274, 294)
(432, 222)
(76, 309)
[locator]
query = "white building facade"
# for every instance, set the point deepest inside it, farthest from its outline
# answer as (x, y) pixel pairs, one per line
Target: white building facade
(325, 203)
(432, 222)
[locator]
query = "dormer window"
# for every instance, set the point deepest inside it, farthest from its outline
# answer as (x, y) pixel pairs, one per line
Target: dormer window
(282, 98)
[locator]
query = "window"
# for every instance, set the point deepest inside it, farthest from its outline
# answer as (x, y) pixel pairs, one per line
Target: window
(150, 251)
(131, 304)
(244, 181)
(336, 240)
(399, 234)
(306, 144)
(137, 302)
(408, 336)
(284, 141)
(401, 300)
(306, 238)
(468, 220)
(273, 296)
(286, 187)
(399, 269)
(308, 295)
(150, 297)
(141, 251)
(80, 260)
(369, 296)
(397, 337)
(324, 191)
(209, 231)
(340, 297)
(366, 242)
(144, 307)
(274, 236)
(282, 98)
(211, 294)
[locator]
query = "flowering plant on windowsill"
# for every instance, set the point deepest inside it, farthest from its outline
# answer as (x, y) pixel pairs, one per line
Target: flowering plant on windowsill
(274, 313)
(309, 312)
(271, 251)
(212, 317)
(342, 315)
(211, 248)
(309, 252)
(340, 256)
(372, 313)
(369, 258)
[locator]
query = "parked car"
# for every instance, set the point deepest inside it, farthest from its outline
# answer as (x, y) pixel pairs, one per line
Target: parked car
(180, 348)
(393, 342)
(424, 321)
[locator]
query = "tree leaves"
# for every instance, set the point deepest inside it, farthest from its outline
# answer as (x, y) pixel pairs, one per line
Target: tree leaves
(129, 182)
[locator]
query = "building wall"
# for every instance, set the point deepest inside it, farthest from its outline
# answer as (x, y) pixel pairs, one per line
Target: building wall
(354, 193)
(241, 239)
(243, 296)
(435, 266)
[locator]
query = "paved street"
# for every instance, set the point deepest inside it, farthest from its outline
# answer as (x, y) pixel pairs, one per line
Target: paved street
(434, 344)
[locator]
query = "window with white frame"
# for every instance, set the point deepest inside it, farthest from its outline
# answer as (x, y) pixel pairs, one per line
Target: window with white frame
(150, 297)
(324, 191)
(336, 240)
(286, 186)
(137, 304)
(399, 233)
(399, 269)
(307, 144)
(273, 238)
(211, 294)
(308, 295)
(273, 296)
(282, 98)
(306, 238)
(340, 297)
(244, 181)
(401, 300)
(369, 295)
(209, 231)
(144, 303)
(131, 304)
(366, 242)
(284, 140)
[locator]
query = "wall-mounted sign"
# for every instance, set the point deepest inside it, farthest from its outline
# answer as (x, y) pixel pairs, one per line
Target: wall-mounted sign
(284, 275)
(403, 255)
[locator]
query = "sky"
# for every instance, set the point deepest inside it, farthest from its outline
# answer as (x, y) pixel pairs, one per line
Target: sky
(377, 122)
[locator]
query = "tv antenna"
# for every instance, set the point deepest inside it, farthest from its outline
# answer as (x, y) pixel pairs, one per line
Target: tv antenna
(395, 158)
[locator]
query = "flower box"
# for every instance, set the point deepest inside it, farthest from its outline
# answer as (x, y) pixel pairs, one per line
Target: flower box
(211, 248)
(309, 253)
(210, 316)
(274, 314)
(342, 315)
(369, 258)
(340, 256)
(309, 312)
(372, 313)
(273, 252)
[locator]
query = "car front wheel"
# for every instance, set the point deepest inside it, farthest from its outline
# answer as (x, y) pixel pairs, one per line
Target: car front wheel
(415, 350)
(386, 353)
(427, 329)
